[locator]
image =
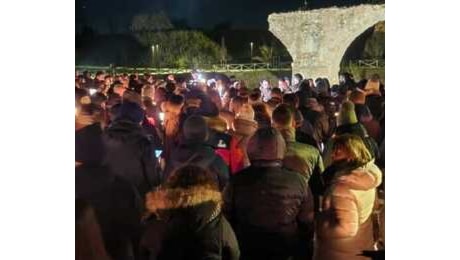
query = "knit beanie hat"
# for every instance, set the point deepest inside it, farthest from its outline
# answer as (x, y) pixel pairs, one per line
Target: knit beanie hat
(267, 144)
(347, 114)
(130, 111)
(195, 129)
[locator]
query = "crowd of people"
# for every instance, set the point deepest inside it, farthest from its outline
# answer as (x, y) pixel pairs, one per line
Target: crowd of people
(169, 168)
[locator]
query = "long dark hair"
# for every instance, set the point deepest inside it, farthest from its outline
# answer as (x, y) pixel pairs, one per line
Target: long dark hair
(89, 244)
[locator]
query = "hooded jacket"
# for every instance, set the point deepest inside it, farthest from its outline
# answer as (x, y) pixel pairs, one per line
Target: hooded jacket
(344, 227)
(130, 155)
(200, 154)
(189, 225)
(271, 211)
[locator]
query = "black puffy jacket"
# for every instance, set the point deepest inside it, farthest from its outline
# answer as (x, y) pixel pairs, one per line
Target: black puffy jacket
(190, 225)
(131, 155)
(271, 211)
(118, 209)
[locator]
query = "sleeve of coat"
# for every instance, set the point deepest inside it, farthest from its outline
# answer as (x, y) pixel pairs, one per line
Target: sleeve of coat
(340, 217)
(305, 218)
(230, 247)
(228, 202)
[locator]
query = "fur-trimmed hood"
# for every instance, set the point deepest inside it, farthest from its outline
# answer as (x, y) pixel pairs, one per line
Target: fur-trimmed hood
(198, 205)
(167, 199)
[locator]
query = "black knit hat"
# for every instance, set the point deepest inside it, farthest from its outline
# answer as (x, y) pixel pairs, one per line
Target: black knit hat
(130, 111)
(195, 129)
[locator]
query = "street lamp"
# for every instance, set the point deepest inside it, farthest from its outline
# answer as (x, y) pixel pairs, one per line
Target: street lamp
(252, 45)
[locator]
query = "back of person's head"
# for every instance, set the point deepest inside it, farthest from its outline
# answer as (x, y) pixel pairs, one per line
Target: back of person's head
(148, 91)
(99, 100)
(160, 95)
(267, 144)
(195, 129)
(243, 92)
(291, 99)
(276, 93)
(170, 87)
(283, 116)
(236, 103)
(262, 114)
(358, 97)
(79, 93)
(87, 113)
(255, 96)
(130, 111)
(353, 147)
(215, 98)
(298, 77)
(174, 104)
(133, 97)
(246, 113)
(89, 244)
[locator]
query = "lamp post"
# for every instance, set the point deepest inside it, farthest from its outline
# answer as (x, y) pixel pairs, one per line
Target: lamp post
(153, 55)
(252, 45)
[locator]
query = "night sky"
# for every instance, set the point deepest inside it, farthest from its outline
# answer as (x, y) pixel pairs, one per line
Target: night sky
(206, 14)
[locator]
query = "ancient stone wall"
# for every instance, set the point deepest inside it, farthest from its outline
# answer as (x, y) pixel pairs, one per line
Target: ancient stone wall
(317, 39)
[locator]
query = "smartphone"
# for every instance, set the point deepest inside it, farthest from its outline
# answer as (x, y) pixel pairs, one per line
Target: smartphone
(158, 153)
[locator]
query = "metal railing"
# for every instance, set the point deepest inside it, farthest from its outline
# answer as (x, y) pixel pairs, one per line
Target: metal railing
(373, 64)
(240, 67)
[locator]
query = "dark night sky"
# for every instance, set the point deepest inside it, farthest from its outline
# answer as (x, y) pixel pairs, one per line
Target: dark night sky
(196, 13)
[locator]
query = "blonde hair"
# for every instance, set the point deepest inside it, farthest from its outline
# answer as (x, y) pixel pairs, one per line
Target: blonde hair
(355, 147)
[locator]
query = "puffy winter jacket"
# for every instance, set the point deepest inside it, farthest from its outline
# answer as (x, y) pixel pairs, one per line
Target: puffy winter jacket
(271, 211)
(344, 227)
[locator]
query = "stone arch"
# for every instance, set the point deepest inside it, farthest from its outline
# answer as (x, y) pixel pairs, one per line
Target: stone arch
(318, 39)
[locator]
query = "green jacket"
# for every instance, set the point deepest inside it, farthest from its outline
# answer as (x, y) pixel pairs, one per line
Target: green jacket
(307, 153)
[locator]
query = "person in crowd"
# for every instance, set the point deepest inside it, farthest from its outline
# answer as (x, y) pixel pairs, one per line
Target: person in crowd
(265, 90)
(270, 208)
(283, 120)
(130, 153)
(236, 103)
(344, 226)
(303, 128)
(133, 97)
(87, 113)
(372, 126)
(172, 118)
(261, 115)
(255, 96)
(347, 123)
(118, 89)
(314, 113)
(186, 219)
(117, 204)
(276, 98)
(243, 127)
(296, 80)
(195, 150)
(358, 98)
(283, 85)
(89, 244)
